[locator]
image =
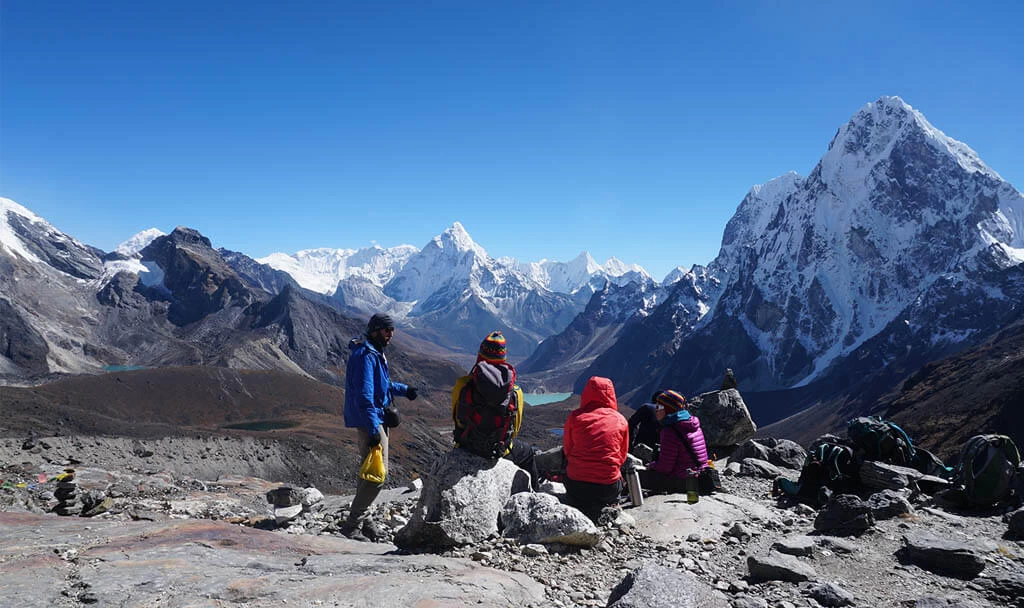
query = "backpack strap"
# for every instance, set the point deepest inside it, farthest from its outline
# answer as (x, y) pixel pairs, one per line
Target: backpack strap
(902, 433)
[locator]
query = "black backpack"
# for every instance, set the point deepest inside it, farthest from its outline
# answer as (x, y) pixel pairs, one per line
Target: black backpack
(881, 441)
(487, 407)
(988, 465)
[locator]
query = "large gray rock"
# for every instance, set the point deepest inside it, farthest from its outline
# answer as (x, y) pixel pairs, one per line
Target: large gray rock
(754, 467)
(1015, 522)
(884, 476)
(655, 586)
(461, 499)
(831, 595)
(750, 448)
(541, 518)
(802, 546)
(724, 417)
(844, 515)
(787, 453)
(1005, 584)
(888, 504)
(943, 556)
(778, 567)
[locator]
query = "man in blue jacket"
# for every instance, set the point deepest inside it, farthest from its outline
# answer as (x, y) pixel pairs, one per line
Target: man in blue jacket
(368, 390)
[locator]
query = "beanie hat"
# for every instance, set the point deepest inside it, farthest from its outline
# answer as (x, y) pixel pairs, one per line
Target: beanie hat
(672, 401)
(492, 349)
(379, 321)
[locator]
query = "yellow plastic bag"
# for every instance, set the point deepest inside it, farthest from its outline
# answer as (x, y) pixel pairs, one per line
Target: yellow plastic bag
(373, 469)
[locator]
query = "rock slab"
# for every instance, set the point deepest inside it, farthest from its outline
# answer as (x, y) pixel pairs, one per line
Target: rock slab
(655, 586)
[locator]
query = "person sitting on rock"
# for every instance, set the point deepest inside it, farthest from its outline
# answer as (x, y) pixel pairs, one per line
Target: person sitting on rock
(645, 432)
(683, 451)
(487, 409)
(595, 441)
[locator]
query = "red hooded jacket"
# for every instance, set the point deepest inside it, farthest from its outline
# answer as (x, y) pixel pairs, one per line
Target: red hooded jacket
(596, 436)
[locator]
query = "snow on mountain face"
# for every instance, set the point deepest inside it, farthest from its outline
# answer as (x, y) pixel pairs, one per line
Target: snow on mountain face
(824, 263)
(31, 238)
(9, 240)
(452, 258)
(138, 242)
(581, 272)
(322, 269)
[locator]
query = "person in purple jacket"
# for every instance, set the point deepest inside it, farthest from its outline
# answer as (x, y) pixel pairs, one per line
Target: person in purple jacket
(683, 450)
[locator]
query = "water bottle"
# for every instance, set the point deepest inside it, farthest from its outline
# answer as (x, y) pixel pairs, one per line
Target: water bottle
(691, 487)
(636, 495)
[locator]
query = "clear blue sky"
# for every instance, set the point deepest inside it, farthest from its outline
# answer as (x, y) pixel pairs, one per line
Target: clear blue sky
(625, 129)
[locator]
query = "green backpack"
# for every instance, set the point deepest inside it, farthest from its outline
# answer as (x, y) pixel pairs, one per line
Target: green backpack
(987, 467)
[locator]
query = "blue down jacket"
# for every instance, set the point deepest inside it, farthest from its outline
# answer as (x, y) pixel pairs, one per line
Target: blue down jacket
(368, 388)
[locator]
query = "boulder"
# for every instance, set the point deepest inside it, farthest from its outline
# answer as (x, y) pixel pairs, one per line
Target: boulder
(284, 496)
(1004, 584)
(883, 476)
(888, 504)
(1015, 522)
(831, 595)
(795, 545)
(844, 515)
(942, 555)
(755, 467)
(540, 518)
(461, 499)
(786, 453)
(312, 500)
(836, 545)
(655, 586)
(750, 449)
(778, 567)
(724, 417)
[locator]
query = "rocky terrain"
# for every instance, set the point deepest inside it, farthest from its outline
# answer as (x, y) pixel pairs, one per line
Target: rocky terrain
(155, 522)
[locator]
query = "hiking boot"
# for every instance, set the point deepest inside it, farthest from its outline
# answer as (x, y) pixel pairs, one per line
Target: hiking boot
(374, 532)
(353, 532)
(824, 496)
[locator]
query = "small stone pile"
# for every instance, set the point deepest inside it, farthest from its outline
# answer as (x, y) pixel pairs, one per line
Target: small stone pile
(67, 495)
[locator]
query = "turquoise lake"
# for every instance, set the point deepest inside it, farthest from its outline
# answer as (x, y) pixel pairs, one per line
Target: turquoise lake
(122, 368)
(544, 398)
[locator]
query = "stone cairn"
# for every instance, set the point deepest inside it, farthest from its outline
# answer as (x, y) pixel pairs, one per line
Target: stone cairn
(67, 495)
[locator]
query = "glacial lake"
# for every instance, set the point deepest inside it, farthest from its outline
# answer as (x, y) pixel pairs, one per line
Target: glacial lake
(122, 368)
(544, 398)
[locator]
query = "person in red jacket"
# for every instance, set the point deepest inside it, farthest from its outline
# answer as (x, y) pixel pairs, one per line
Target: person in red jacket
(595, 441)
(683, 450)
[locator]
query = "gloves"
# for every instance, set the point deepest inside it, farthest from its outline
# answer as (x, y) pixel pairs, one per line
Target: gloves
(374, 440)
(411, 393)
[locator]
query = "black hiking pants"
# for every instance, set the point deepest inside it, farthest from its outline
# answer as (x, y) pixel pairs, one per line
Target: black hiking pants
(656, 481)
(591, 497)
(522, 454)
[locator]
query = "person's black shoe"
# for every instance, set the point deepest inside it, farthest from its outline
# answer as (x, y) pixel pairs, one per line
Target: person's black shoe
(353, 532)
(373, 532)
(824, 496)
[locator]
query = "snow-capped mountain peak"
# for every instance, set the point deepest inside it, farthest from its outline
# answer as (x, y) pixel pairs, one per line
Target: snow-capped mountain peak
(617, 268)
(455, 238)
(871, 134)
(9, 240)
(323, 268)
(138, 242)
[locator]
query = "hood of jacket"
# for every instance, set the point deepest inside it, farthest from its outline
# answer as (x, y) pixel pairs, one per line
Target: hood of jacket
(599, 392)
(689, 425)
